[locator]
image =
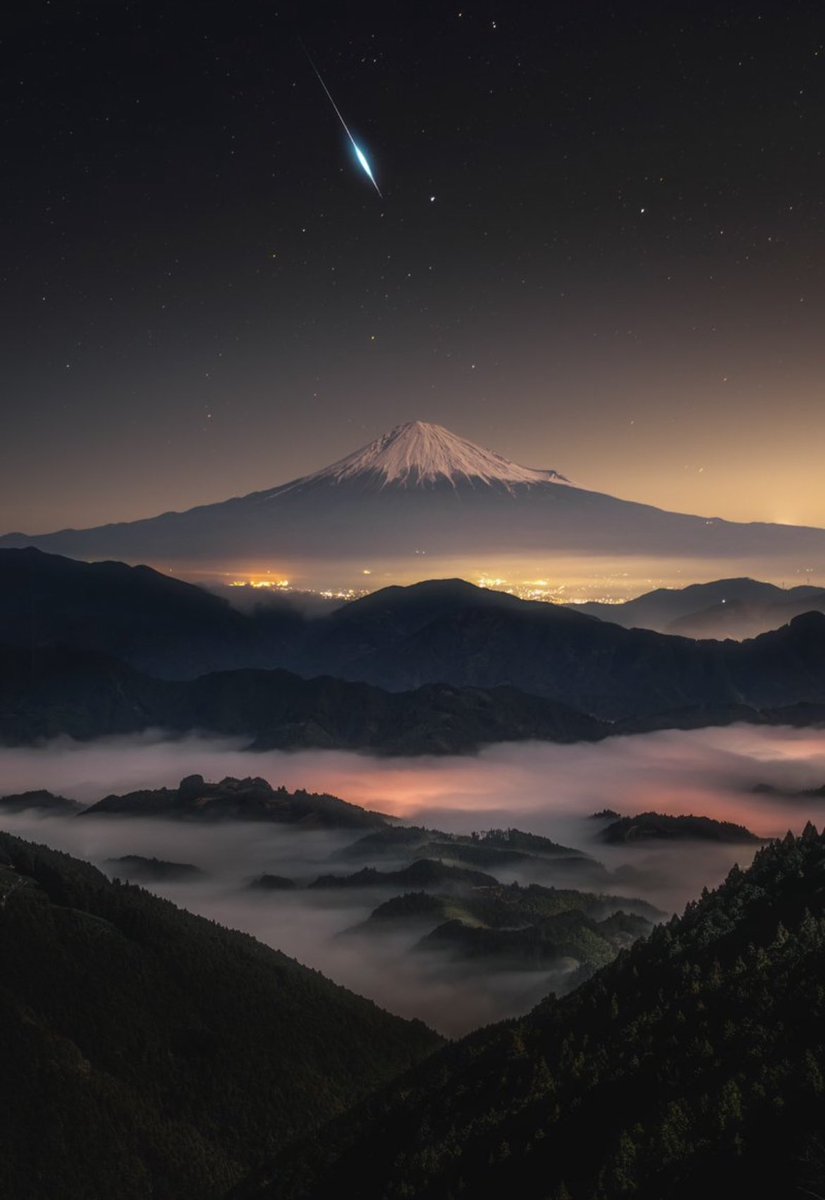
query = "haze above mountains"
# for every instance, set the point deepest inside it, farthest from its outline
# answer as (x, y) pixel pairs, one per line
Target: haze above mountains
(419, 496)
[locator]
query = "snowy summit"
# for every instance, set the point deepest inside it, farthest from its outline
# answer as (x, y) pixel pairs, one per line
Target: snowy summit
(418, 453)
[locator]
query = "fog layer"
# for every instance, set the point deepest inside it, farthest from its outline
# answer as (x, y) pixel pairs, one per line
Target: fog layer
(547, 789)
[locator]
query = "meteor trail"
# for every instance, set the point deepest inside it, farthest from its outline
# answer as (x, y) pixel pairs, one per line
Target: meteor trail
(359, 153)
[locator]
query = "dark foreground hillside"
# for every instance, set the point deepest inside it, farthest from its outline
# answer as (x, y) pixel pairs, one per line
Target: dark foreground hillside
(147, 1053)
(693, 1065)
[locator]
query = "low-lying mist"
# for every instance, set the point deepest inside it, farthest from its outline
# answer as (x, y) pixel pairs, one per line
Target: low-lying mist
(543, 788)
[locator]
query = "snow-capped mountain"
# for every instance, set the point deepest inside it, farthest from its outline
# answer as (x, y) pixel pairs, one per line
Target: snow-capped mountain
(421, 496)
(419, 454)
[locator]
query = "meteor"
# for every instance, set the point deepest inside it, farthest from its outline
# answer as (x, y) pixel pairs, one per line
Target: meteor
(359, 153)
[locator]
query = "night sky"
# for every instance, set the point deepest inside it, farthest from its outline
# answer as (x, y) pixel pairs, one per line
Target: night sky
(600, 247)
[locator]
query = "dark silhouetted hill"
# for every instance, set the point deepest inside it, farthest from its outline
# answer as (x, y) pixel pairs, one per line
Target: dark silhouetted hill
(239, 800)
(149, 1053)
(652, 826)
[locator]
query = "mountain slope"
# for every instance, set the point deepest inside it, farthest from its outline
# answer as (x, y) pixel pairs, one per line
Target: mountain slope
(420, 490)
(692, 1065)
(148, 1053)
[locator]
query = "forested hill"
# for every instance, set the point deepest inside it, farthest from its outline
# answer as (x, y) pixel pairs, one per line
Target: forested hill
(692, 1065)
(148, 1054)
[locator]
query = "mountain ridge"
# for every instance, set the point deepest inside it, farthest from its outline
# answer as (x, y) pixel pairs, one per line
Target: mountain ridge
(85, 695)
(457, 665)
(738, 607)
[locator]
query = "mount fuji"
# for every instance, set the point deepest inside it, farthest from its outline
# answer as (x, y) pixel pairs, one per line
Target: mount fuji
(419, 490)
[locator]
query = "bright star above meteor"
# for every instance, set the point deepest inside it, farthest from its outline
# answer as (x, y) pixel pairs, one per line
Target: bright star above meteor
(363, 161)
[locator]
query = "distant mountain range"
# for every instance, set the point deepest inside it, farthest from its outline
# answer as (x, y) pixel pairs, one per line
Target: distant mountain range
(726, 608)
(449, 631)
(50, 692)
(442, 666)
(420, 491)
